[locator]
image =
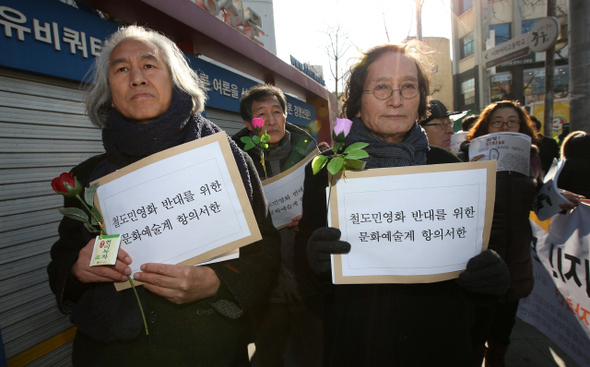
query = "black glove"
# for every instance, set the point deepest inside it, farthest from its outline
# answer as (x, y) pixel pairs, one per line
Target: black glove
(323, 242)
(486, 273)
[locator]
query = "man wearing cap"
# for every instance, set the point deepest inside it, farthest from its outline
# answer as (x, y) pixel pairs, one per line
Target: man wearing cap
(438, 125)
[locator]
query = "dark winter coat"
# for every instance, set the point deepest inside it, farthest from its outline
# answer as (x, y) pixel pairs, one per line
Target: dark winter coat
(511, 232)
(386, 324)
(209, 332)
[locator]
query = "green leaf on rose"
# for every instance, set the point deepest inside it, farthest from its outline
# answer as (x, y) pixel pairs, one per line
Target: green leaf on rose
(89, 194)
(354, 164)
(335, 165)
(246, 139)
(355, 146)
(249, 145)
(256, 139)
(357, 154)
(74, 213)
(318, 163)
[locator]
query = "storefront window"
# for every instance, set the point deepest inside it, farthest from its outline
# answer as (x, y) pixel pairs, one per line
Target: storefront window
(534, 83)
(501, 84)
(468, 91)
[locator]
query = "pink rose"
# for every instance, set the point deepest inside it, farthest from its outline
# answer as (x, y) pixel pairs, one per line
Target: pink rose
(257, 123)
(342, 126)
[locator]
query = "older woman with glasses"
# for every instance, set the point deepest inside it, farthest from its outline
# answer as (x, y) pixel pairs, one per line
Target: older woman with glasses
(390, 324)
(511, 231)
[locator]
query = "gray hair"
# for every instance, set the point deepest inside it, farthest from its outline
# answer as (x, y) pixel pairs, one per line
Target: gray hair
(99, 99)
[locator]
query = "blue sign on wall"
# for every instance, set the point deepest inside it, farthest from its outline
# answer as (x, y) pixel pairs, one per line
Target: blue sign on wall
(49, 37)
(226, 88)
(52, 38)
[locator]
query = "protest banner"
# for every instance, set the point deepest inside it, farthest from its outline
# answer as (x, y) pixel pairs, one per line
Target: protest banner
(415, 224)
(559, 305)
(184, 205)
(511, 150)
(284, 193)
(549, 198)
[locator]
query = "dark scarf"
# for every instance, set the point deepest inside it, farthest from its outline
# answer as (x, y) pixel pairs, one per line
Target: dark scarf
(273, 156)
(410, 152)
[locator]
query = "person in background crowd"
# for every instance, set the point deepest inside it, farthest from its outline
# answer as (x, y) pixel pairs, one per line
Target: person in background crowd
(438, 125)
(146, 99)
(565, 130)
(390, 324)
(548, 148)
(323, 146)
(575, 174)
(468, 122)
(286, 330)
(511, 232)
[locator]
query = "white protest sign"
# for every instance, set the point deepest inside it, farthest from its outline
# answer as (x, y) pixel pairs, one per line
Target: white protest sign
(456, 140)
(548, 198)
(511, 150)
(284, 193)
(559, 305)
(183, 205)
(412, 224)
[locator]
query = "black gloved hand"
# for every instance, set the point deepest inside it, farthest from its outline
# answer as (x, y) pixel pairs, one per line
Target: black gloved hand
(323, 242)
(486, 273)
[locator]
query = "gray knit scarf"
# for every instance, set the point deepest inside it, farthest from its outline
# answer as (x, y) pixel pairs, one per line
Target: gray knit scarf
(410, 152)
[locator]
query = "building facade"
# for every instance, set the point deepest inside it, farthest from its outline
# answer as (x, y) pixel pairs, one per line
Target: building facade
(441, 85)
(482, 24)
(47, 48)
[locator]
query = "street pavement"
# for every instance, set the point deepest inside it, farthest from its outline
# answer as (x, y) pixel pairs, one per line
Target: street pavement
(531, 348)
(528, 348)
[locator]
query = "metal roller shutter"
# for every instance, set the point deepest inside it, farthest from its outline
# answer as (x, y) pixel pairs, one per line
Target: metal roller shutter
(43, 132)
(229, 121)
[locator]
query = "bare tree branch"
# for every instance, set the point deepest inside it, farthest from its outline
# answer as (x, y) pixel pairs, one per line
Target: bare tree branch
(336, 48)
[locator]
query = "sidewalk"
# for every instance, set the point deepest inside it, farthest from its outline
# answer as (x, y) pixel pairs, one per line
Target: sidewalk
(531, 348)
(528, 348)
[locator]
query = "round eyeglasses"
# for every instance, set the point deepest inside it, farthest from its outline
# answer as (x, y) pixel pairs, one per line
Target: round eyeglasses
(442, 125)
(500, 123)
(383, 92)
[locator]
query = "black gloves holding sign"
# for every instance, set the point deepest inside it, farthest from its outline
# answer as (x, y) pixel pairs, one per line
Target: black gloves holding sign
(486, 273)
(322, 243)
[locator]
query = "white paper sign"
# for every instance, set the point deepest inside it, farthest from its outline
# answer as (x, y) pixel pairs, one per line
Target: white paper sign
(185, 206)
(512, 151)
(456, 140)
(548, 198)
(413, 224)
(284, 193)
